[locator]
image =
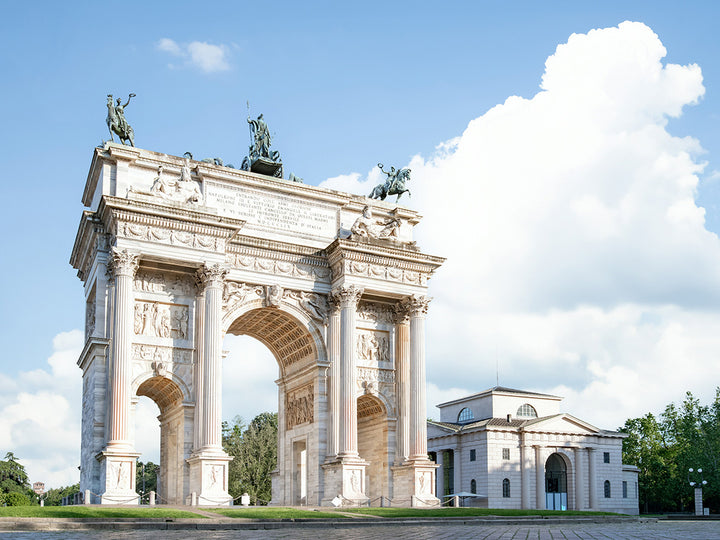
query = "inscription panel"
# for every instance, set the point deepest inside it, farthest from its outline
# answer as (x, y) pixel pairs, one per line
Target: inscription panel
(272, 210)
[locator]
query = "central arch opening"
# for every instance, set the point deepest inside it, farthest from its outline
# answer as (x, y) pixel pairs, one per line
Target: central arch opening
(272, 365)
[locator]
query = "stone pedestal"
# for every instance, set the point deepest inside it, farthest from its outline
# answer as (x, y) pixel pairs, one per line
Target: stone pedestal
(414, 484)
(209, 479)
(117, 477)
(345, 479)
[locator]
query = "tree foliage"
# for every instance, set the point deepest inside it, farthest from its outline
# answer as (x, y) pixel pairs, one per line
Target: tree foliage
(664, 448)
(148, 471)
(254, 449)
(53, 497)
(14, 480)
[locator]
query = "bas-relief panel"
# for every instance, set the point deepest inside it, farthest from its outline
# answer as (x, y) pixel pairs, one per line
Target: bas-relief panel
(214, 478)
(300, 406)
(163, 361)
(170, 236)
(315, 305)
(373, 348)
(380, 314)
(376, 381)
(278, 267)
(160, 319)
(169, 283)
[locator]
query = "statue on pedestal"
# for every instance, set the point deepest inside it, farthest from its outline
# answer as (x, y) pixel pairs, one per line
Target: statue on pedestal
(116, 121)
(394, 184)
(260, 158)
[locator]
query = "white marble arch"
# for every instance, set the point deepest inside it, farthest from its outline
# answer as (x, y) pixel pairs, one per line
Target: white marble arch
(341, 307)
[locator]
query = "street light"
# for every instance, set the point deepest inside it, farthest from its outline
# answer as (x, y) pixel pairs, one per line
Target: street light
(698, 485)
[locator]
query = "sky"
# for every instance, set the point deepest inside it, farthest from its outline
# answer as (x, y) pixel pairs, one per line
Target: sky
(564, 156)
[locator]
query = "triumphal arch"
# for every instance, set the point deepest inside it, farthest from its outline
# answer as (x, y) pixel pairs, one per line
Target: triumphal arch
(175, 253)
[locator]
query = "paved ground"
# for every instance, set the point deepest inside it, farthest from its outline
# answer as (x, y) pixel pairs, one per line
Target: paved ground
(660, 530)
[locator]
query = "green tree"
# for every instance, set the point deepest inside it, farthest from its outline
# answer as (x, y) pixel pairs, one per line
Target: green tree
(53, 497)
(16, 498)
(13, 478)
(149, 471)
(684, 436)
(254, 450)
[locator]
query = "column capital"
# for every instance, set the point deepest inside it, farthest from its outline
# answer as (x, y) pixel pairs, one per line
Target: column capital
(416, 305)
(123, 263)
(347, 295)
(401, 312)
(211, 275)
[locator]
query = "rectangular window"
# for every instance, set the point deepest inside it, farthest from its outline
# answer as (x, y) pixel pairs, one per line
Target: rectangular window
(624, 489)
(472, 455)
(606, 457)
(506, 453)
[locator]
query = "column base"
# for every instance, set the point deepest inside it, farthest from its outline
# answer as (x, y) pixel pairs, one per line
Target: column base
(345, 482)
(414, 484)
(209, 478)
(117, 477)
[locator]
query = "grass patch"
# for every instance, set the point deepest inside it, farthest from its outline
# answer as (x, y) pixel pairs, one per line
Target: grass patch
(274, 513)
(94, 512)
(466, 512)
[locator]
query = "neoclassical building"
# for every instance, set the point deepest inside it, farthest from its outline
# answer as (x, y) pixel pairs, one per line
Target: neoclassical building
(176, 253)
(515, 449)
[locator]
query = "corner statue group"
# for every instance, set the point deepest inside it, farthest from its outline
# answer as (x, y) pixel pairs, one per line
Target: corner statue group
(116, 121)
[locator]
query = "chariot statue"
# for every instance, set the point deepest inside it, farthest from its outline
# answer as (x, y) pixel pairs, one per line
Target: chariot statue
(394, 184)
(260, 158)
(116, 121)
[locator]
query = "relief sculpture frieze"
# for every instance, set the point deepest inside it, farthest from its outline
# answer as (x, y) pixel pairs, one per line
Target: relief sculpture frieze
(372, 347)
(158, 319)
(299, 406)
(158, 282)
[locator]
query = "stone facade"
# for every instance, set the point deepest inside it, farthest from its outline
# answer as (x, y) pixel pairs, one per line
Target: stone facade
(514, 449)
(165, 279)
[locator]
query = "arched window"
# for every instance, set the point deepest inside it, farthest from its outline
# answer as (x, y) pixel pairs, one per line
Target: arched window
(607, 489)
(526, 411)
(506, 487)
(465, 415)
(473, 486)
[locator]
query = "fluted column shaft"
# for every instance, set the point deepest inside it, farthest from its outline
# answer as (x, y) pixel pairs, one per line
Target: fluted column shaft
(402, 375)
(539, 479)
(579, 479)
(124, 265)
(418, 306)
(199, 379)
(212, 278)
(349, 297)
(592, 479)
(334, 340)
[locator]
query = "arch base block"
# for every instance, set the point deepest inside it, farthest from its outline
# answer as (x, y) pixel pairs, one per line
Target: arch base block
(414, 484)
(345, 482)
(209, 480)
(117, 476)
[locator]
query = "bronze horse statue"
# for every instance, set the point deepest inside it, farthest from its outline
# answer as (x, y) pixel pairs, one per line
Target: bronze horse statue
(116, 122)
(394, 185)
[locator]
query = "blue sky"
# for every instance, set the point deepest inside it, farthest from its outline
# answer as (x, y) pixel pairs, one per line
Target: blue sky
(342, 86)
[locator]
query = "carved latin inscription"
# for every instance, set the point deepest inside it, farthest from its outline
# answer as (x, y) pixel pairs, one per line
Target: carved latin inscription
(272, 210)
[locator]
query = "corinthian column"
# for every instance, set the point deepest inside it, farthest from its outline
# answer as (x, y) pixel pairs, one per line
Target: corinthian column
(212, 279)
(335, 386)
(123, 267)
(417, 306)
(592, 480)
(348, 297)
(402, 376)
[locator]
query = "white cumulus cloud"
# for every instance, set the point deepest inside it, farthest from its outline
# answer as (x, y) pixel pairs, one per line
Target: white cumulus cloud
(578, 258)
(199, 54)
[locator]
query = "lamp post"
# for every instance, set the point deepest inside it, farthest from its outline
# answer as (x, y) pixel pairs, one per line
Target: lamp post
(698, 485)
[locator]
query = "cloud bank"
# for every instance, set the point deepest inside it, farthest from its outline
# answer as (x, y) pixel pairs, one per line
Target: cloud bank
(199, 54)
(578, 259)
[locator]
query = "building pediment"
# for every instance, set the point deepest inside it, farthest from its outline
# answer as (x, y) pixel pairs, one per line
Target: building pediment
(561, 423)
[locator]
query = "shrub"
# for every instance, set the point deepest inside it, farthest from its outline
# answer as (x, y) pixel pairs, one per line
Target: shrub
(17, 499)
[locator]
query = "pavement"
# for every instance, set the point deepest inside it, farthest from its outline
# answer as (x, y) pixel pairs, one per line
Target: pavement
(369, 529)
